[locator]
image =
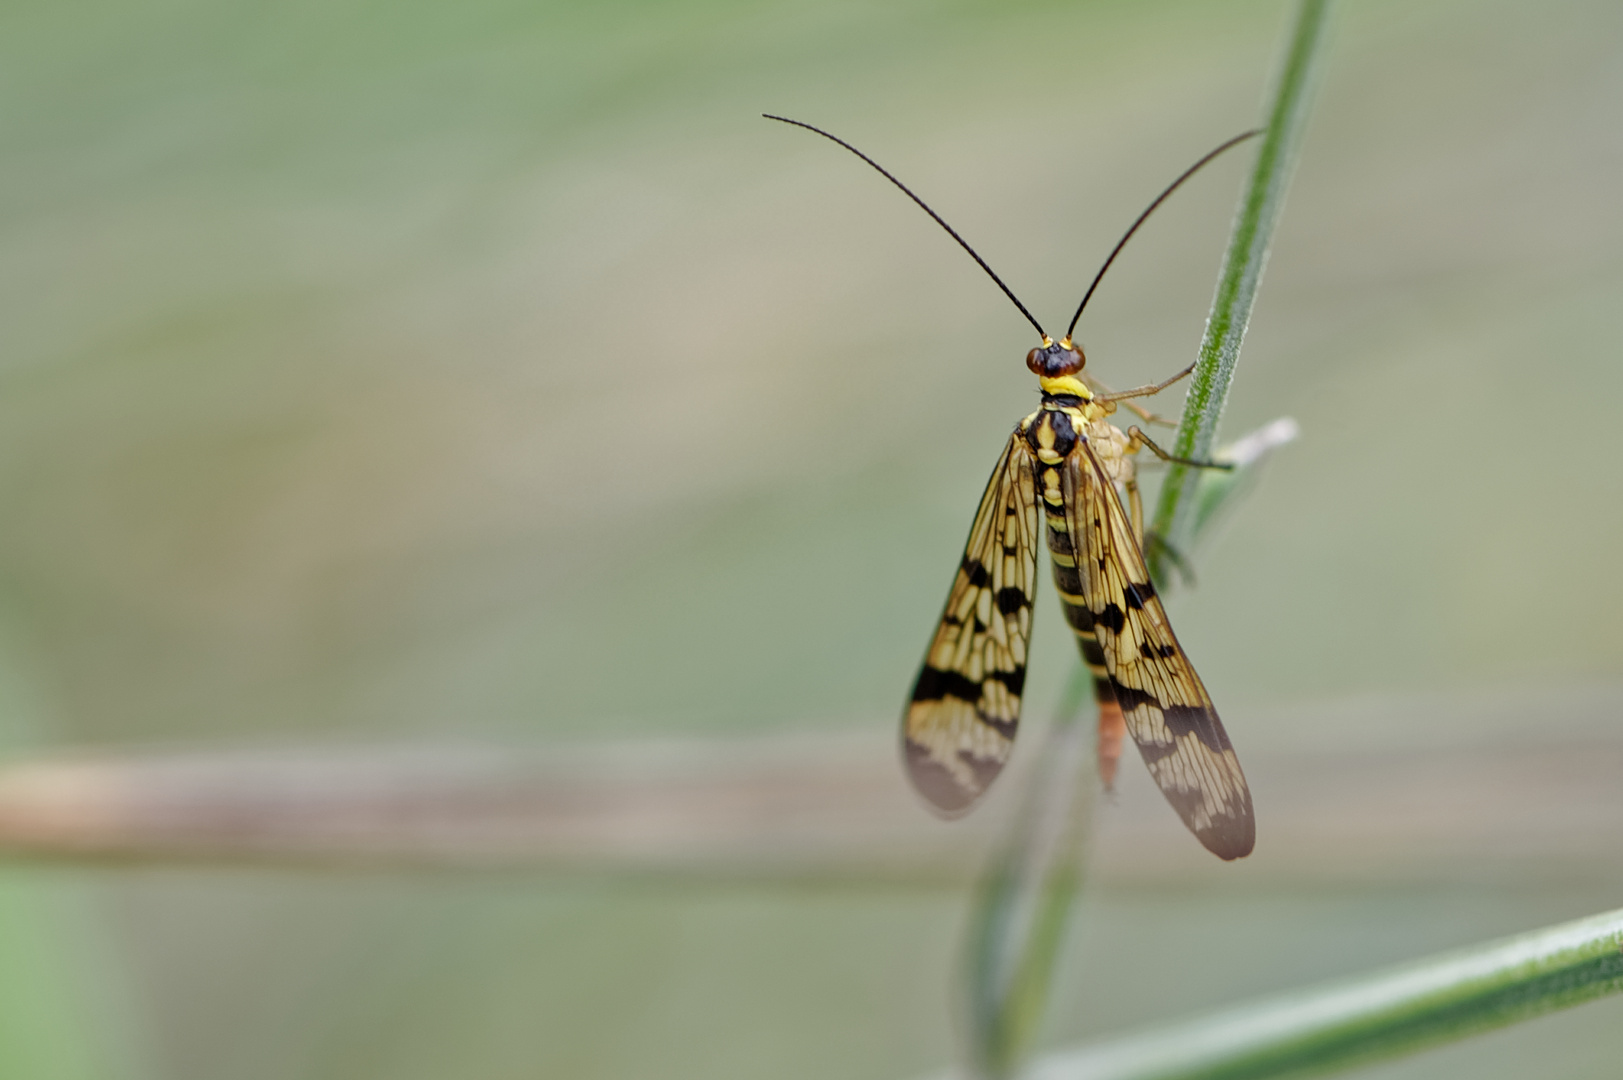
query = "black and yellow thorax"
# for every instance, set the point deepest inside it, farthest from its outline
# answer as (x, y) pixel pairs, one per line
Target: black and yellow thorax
(1070, 417)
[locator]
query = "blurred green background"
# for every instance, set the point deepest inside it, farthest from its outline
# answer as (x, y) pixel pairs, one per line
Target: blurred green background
(491, 370)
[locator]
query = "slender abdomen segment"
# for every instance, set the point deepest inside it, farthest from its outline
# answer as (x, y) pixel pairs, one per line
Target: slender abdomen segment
(1068, 583)
(1053, 436)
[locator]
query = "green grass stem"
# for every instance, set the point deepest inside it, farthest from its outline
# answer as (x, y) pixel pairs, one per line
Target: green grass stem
(1027, 892)
(1372, 1017)
(1260, 206)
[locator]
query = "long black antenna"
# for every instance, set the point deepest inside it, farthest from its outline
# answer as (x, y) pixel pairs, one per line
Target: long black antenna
(950, 231)
(1159, 199)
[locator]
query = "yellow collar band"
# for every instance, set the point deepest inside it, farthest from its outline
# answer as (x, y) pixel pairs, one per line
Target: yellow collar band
(1065, 384)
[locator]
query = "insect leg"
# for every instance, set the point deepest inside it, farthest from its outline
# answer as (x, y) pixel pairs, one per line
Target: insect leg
(1101, 391)
(1136, 438)
(1154, 542)
(1135, 504)
(1145, 391)
(1149, 417)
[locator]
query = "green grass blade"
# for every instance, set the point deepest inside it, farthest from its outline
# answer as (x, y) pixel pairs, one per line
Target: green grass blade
(1026, 894)
(1260, 206)
(1377, 1016)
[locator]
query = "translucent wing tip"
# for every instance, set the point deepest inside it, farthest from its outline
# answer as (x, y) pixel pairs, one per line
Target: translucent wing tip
(1194, 765)
(1230, 838)
(947, 792)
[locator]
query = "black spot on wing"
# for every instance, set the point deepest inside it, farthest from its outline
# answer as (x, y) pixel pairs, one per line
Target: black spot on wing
(1112, 617)
(1198, 721)
(1139, 594)
(934, 684)
(1010, 599)
(1152, 753)
(1014, 681)
(1132, 698)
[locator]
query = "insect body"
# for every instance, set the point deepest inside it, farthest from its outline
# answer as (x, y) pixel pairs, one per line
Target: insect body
(1058, 480)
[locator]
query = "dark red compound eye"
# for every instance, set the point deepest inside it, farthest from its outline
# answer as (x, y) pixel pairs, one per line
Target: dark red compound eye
(1055, 361)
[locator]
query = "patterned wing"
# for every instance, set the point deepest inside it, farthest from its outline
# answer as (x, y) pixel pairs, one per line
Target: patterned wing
(961, 720)
(1168, 712)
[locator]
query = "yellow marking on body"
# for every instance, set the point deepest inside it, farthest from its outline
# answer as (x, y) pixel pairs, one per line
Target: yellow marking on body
(1065, 384)
(1045, 445)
